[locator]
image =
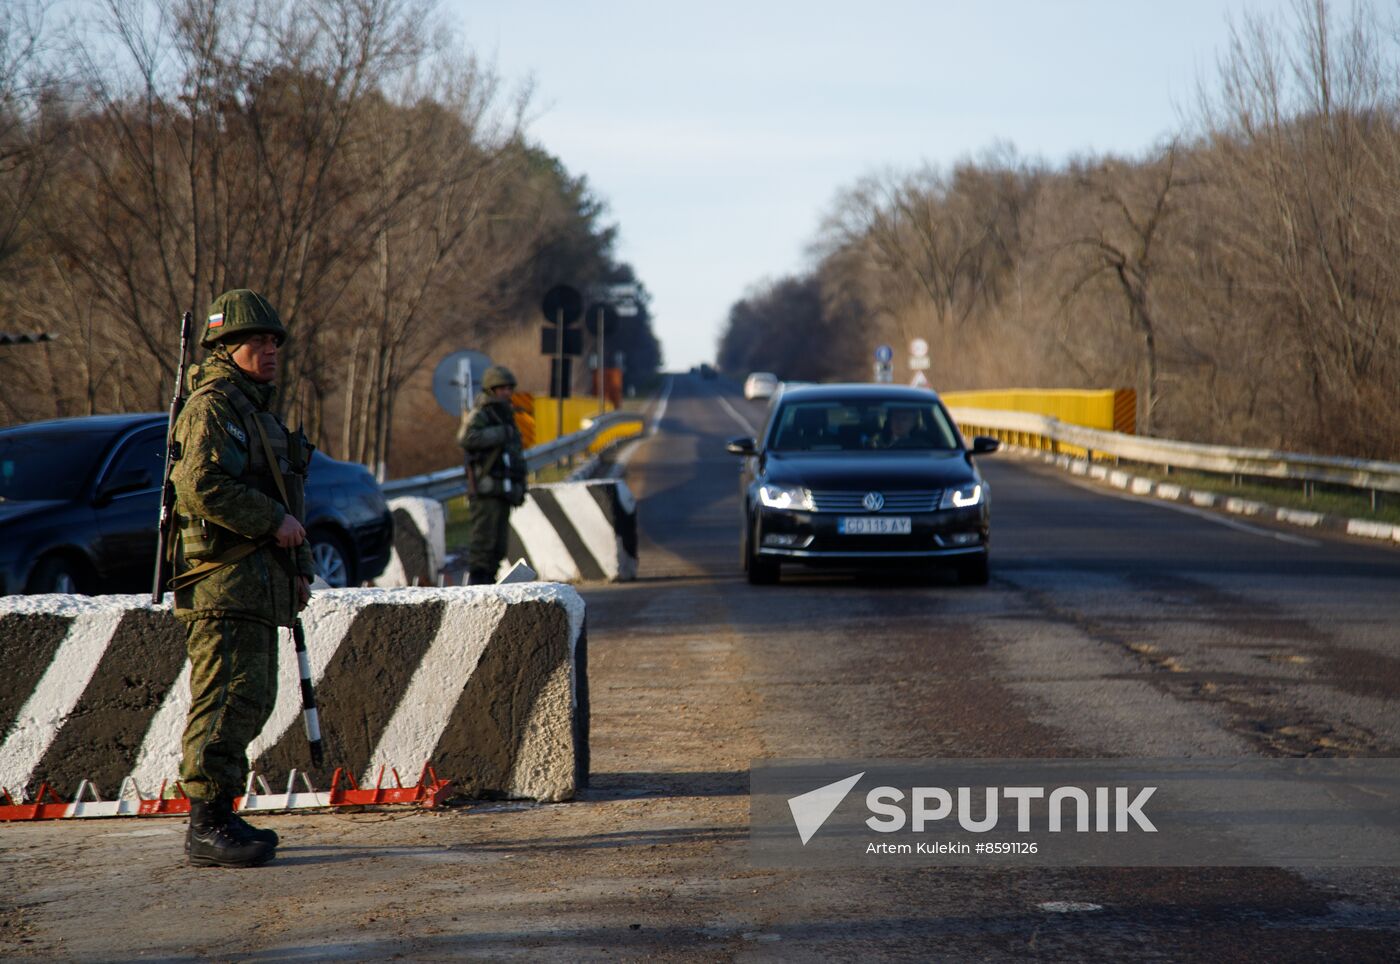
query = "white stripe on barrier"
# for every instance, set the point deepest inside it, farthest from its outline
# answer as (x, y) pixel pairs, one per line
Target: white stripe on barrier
(156, 761)
(547, 552)
(160, 748)
(427, 705)
(328, 623)
(598, 534)
(58, 692)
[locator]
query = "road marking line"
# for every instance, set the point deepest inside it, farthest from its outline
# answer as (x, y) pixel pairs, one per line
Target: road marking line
(738, 417)
(661, 405)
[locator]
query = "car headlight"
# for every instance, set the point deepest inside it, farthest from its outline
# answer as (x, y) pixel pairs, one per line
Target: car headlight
(962, 496)
(785, 497)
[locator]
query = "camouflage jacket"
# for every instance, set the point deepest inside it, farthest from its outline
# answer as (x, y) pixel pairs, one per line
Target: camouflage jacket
(225, 495)
(494, 449)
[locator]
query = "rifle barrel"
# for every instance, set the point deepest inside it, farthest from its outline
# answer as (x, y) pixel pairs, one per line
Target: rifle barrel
(165, 533)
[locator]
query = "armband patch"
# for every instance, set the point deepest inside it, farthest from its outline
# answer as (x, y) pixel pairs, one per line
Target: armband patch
(237, 432)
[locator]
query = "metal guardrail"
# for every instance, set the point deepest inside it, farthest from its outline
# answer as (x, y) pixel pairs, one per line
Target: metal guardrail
(449, 483)
(1365, 474)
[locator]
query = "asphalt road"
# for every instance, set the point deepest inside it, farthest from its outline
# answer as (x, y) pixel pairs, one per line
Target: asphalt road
(1111, 627)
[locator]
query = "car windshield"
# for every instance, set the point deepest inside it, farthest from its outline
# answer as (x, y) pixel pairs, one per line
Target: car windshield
(863, 425)
(48, 465)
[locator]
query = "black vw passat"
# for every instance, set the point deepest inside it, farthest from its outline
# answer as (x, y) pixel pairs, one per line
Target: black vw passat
(863, 475)
(80, 502)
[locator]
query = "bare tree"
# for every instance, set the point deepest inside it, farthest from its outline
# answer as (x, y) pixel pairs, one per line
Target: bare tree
(1125, 241)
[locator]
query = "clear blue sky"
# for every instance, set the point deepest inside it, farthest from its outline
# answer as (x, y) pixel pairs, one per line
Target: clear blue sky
(719, 133)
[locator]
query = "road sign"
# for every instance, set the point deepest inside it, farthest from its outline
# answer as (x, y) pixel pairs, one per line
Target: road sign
(549, 341)
(452, 387)
(918, 347)
(884, 354)
(918, 362)
(919, 381)
(562, 304)
(884, 373)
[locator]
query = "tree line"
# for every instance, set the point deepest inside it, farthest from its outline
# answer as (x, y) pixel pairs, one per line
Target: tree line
(1243, 275)
(343, 157)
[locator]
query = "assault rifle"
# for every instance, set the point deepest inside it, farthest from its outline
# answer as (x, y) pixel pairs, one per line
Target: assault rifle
(165, 539)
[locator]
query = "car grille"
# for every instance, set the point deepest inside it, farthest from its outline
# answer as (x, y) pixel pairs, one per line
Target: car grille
(853, 500)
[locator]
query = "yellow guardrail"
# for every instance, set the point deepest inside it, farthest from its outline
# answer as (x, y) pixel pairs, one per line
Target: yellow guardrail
(1110, 409)
(576, 411)
(1107, 409)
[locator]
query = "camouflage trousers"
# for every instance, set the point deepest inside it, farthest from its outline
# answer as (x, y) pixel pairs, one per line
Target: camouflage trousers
(233, 688)
(488, 528)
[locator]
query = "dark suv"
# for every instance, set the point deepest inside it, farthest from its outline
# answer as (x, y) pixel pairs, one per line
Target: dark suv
(80, 500)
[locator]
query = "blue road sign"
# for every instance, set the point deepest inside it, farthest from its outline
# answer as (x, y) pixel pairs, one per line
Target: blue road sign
(884, 354)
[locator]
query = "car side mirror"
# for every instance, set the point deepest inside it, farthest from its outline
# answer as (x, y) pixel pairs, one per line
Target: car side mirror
(741, 446)
(132, 480)
(984, 445)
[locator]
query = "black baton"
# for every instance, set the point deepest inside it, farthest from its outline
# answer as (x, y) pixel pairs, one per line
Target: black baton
(308, 695)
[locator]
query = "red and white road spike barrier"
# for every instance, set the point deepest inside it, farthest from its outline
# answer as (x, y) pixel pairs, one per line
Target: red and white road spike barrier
(428, 792)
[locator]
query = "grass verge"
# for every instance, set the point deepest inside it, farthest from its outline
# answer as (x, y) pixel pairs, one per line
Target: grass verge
(1348, 503)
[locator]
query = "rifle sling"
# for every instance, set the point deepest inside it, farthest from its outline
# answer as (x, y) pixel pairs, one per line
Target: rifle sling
(210, 566)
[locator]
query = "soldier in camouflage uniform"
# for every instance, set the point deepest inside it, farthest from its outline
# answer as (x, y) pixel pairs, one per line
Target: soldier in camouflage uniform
(242, 565)
(496, 463)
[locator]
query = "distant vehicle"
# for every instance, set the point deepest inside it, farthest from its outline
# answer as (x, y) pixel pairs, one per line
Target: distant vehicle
(760, 385)
(707, 372)
(857, 476)
(80, 499)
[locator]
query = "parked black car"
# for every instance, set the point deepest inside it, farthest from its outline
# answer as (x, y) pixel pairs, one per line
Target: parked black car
(863, 475)
(80, 500)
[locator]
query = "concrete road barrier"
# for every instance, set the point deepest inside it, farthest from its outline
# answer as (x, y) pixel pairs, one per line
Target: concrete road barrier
(420, 543)
(577, 531)
(487, 683)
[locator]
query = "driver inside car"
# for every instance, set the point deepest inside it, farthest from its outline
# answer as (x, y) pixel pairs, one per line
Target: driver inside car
(901, 431)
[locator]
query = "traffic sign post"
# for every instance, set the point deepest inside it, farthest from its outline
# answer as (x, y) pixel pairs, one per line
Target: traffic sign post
(600, 317)
(562, 307)
(884, 369)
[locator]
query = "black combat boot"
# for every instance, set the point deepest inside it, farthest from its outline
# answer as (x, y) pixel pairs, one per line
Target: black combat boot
(245, 830)
(249, 832)
(212, 842)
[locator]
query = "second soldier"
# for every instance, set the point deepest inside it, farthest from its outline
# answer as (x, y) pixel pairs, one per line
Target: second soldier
(496, 473)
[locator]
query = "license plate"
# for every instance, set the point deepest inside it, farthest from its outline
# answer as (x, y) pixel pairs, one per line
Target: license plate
(874, 525)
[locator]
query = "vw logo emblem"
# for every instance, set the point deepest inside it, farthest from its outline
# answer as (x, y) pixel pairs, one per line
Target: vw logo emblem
(873, 501)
